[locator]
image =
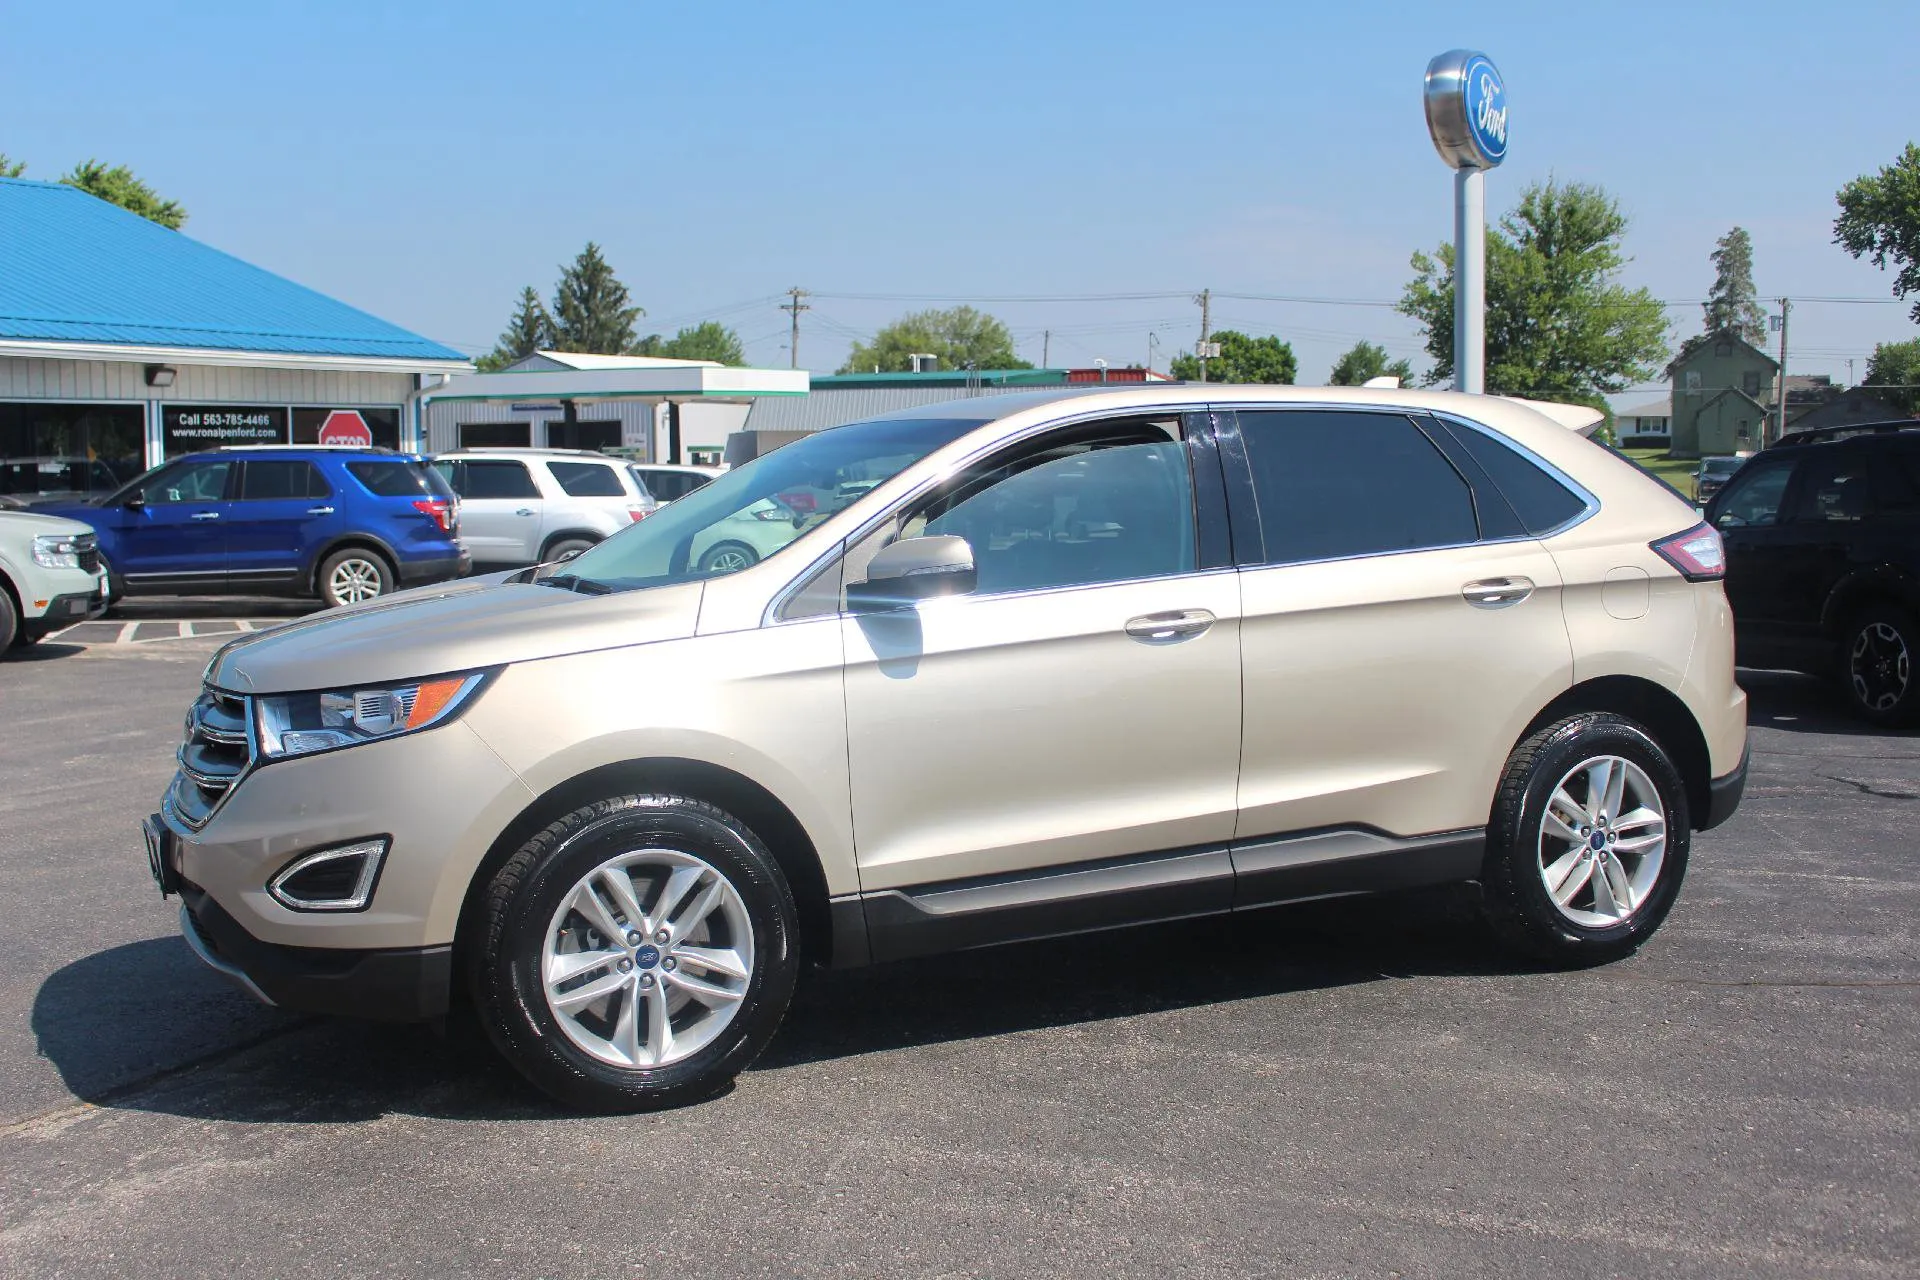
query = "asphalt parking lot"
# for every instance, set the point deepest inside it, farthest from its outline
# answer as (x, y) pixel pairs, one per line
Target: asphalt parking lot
(1362, 1088)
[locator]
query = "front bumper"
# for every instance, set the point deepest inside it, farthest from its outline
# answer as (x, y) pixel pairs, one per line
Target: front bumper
(1723, 794)
(65, 610)
(404, 984)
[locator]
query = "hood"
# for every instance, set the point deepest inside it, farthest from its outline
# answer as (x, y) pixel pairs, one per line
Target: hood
(30, 523)
(460, 626)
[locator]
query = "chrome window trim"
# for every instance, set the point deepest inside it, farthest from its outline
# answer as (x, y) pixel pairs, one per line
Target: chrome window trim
(772, 615)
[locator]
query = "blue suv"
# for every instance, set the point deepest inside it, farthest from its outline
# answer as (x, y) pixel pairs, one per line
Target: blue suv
(342, 523)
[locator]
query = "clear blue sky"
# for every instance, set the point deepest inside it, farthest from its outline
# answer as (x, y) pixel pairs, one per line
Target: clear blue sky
(426, 160)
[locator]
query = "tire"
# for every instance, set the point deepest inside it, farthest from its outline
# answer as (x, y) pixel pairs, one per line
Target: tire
(607, 1054)
(1648, 850)
(728, 557)
(116, 585)
(1877, 674)
(354, 576)
(9, 620)
(565, 549)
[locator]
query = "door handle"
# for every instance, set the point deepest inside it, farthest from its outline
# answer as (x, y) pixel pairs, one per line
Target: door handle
(319, 511)
(1497, 593)
(205, 515)
(1164, 628)
(524, 511)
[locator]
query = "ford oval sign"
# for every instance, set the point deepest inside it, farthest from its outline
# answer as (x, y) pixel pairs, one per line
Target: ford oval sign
(1466, 105)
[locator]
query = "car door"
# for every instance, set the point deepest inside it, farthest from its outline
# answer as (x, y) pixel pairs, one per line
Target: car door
(1825, 536)
(1391, 654)
(285, 508)
(177, 535)
(1081, 705)
(1748, 515)
(500, 510)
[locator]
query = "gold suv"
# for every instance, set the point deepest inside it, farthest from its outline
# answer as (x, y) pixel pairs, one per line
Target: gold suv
(1008, 667)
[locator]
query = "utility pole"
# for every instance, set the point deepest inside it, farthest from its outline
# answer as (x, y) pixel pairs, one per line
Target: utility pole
(794, 308)
(1046, 346)
(1786, 305)
(1206, 327)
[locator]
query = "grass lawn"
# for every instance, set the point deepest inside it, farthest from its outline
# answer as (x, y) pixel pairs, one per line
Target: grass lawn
(1677, 472)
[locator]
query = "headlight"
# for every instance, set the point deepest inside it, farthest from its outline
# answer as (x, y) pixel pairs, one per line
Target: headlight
(296, 724)
(58, 550)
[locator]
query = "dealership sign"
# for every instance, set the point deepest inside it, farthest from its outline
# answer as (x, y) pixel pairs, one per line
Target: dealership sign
(1466, 104)
(344, 426)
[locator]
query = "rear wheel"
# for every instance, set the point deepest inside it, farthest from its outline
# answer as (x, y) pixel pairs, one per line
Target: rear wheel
(1588, 841)
(1877, 663)
(636, 954)
(565, 549)
(353, 576)
(728, 557)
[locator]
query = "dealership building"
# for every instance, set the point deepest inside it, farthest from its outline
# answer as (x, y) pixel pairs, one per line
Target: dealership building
(123, 343)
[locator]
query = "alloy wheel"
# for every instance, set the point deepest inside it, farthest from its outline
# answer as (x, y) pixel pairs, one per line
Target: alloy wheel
(1879, 666)
(1603, 840)
(648, 958)
(354, 580)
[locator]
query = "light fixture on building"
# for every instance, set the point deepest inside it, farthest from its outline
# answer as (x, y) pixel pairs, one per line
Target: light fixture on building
(160, 375)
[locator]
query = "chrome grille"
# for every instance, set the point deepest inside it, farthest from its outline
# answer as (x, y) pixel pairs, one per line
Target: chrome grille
(217, 752)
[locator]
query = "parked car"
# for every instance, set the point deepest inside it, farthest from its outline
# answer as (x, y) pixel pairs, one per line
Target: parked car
(1712, 474)
(667, 481)
(50, 576)
(345, 524)
(1074, 661)
(1823, 562)
(529, 506)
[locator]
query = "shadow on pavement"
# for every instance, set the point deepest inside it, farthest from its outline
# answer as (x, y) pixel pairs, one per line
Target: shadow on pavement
(143, 1027)
(1797, 703)
(42, 651)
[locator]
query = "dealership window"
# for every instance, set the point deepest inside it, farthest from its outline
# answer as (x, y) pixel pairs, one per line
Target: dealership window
(50, 450)
(583, 435)
(192, 428)
(495, 435)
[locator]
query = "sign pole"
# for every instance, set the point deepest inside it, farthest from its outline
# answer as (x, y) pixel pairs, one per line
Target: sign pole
(1469, 280)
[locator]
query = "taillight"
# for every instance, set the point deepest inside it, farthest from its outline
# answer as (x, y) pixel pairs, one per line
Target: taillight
(636, 514)
(800, 500)
(1697, 553)
(439, 508)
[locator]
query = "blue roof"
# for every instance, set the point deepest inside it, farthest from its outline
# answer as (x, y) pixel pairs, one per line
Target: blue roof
(77, 269)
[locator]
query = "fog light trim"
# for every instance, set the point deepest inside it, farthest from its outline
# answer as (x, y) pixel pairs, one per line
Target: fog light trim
(371, 855)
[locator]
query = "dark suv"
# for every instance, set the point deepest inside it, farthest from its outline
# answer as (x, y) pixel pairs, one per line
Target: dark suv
(342, 523)
(1823, 561)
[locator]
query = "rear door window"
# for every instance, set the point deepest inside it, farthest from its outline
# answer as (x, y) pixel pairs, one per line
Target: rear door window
(1330, 484)
(1836, 488)
(587, 479)
(498, 479)
(282, 480)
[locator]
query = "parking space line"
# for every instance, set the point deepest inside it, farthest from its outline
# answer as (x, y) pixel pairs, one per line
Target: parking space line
(126, 633)
(186, 628)
(243, 624)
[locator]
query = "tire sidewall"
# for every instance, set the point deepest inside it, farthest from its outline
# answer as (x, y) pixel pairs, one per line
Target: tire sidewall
(10, 621)
(512, 991)
(1903, 711)
(713, 552)
(566, 548)
(1516, 834)
(334, 561)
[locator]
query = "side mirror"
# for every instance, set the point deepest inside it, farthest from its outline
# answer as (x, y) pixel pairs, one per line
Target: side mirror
(136, 500)
(914, 569)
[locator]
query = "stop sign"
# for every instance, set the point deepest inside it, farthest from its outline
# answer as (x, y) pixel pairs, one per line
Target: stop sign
(344, 426)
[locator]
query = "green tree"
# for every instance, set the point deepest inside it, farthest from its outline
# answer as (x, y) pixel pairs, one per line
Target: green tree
(590, 308)
(1366, 361)
(1559, 324)
(11, 168)
(530, 329)
(960, 338)
(1732, 304)
(1893, 374)
(708, 340)
(117, 185)
(1241, 359)
(1880, 220)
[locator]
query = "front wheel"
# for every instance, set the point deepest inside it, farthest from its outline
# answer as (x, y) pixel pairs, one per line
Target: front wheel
(1587, 843)
(1878, 667)
(728, 557)
(636, 954)
(353, 576)
(565, 549)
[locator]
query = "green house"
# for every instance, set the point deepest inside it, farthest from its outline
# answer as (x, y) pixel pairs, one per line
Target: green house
(1722, 385)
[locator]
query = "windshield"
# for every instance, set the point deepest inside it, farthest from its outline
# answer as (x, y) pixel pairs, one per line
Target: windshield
(754, 510)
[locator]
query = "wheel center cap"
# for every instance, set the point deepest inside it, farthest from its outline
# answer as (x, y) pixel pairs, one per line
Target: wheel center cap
(647, 957)
(1597, 841)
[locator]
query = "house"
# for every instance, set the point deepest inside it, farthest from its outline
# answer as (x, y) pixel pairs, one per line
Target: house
(1645, 424)
(1847, 408)
(1722, 386)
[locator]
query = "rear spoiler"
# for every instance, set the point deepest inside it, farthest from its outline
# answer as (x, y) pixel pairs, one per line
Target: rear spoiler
(1582, 418)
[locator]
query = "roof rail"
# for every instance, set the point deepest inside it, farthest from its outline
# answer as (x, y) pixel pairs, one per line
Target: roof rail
(1820, 435)
(524, 448)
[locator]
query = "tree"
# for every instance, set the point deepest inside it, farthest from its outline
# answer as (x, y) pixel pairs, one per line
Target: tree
(1880, 220)
(960, 338)
(1241, 359)
(530, 330)
(708, 340)
(118, 186)
(1367, 361)
(590, 310)
(1893, 374)
(1732, 304)
(11, 168)
(1559, 325)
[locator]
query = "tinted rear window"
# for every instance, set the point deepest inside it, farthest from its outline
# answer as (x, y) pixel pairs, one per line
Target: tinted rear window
(398, 479)
(587, 479)
(265, 481)
(490, 479)
(1542, 503)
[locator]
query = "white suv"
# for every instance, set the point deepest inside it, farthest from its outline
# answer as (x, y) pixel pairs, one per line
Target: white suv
(50, 576)
(533, 506)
